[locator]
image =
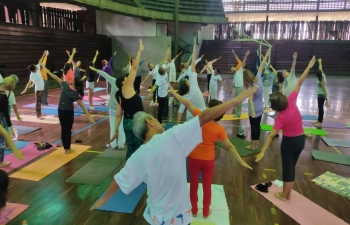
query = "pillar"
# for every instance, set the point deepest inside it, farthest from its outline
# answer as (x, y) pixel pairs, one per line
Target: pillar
(266, 27)
(176, 29)
(316, 28)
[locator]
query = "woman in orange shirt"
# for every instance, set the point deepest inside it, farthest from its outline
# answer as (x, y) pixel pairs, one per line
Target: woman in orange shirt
(202, 157)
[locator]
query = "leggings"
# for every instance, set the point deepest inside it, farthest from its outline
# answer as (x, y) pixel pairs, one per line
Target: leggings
(213, 91)
(208, 80)
(38, 99)
(195, 166)
(320, 100)
(2, 139)
(132, 142)
(45, 93)
(255, 127)
(155, 93)
(238, 107)
(163, 108)
(66, 118)
(137, 84)
(291, 148)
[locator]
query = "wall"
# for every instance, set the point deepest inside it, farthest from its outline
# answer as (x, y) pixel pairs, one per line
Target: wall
(208, 32)
(186, 31)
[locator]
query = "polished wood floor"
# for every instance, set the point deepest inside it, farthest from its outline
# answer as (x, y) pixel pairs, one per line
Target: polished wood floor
(53, 201)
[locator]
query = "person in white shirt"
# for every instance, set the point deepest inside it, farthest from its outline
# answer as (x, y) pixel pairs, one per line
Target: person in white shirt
(162, 84)
(172, 68)
(153, 71)
(186, 71)
(189, 89)
(160, 163)
(36, 78)
(213, 85)
(289, 77)
(209, 68)
(11, 96)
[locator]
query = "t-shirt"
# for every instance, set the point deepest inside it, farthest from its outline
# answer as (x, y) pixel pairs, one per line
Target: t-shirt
(188, 71)
(289, 83)
(211, 132)
(214, 80)
(11, 97)
(154, 73)
(238, 78)
(162, 82)
(91, 75)
(320, 90)
(4, 108)
(69, 77)
(161, 165)
(112, 104)
(37, 79)
(67, 97)
(257, 98)
(171, 66)
(76, 72)
(289, 120)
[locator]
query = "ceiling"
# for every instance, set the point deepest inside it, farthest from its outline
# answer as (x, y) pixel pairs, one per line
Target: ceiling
(64, 6)
(289, 16)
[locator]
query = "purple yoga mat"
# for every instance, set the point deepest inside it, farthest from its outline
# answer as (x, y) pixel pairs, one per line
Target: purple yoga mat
(326, 124)
(30, 153)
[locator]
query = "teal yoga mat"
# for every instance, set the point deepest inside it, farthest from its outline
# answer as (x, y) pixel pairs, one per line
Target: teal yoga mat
(303, 117)
(337, 142)
(55, 112)
(97, 108)
(123, 203)
(19, 145)
(96, 89)
(331, 157)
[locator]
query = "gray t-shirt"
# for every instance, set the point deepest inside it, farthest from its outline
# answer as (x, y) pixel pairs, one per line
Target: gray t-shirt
(67, 97)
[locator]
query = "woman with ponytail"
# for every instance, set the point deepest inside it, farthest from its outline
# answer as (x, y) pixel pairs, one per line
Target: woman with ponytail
(73, 92)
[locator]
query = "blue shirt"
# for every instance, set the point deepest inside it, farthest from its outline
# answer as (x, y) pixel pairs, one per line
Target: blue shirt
(257, 98)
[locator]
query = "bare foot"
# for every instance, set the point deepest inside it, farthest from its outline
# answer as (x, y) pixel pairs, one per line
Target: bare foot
(206, 217)
(250, 147)
(68, 151)
(279, 195)
(4, 164)
(41, 118)
(318, 124)
(315, 122)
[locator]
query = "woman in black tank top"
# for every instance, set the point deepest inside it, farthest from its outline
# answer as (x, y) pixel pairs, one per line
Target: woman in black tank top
(128, 103)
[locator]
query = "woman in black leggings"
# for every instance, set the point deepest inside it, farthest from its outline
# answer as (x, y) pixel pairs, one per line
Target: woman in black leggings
(322, 94)
(70, 93)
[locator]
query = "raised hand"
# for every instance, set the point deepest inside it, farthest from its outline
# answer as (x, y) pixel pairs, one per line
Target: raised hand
(247, 53)
(312, 62)
(74, 50)
(97, 52)
(115, 52)
(143, 47)
(295, 55)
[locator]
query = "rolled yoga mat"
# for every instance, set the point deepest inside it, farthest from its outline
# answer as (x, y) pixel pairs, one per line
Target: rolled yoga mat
(99, 168)
(11, 211)
(48, 164)
(331, 157)
(23, 130)
(336, 142)
(219, 208)
(95, 90)
(124, 203)
(19, 145)
(313, 131)
(55, 112)
(240, 145)
(301, 209)
(326, 124)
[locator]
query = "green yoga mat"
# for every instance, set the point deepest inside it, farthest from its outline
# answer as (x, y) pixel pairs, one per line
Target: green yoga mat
(240, 145)
(331, 157)
(98, 169)
(314, 131)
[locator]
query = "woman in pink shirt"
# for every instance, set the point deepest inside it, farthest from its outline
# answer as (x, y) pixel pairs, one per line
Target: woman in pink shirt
(290, 122)
(209, 68)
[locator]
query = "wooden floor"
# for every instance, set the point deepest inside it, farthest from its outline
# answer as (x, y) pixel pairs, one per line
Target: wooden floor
(54, 201)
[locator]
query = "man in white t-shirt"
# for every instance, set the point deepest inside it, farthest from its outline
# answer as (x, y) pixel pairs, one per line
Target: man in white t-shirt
(160, 163)
(213, 85)
(289, 77)
(36, 78)
(172, 68)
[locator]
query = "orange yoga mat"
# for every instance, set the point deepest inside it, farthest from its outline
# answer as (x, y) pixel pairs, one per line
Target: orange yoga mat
(231, 117)
(48, 164)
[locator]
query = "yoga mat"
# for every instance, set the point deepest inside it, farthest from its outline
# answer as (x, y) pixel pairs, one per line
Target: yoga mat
(55, 112)
(301, 209)
(97, 108)
(30, 153)
(86, 102)
(309, 117)
(219, 208)
(199, 222)
(48, 164)
(326, 124)
(23, 130)
(34, 119)
(336, 142)
(86, 97)
(106, 97)
(245, 105)
(240, 145)
(123, 203)
(19, 145)
(228, 117)
(11, 211)
(99, 168)
(188, 173)
(331, 157)
(95, 89)
(32, 105)
(334, 183)
(313, 131)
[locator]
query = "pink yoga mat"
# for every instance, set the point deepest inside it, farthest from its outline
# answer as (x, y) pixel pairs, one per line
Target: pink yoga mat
(326, 124)
(30, 153)
(11, 211)
(93, 98)
(301, 209)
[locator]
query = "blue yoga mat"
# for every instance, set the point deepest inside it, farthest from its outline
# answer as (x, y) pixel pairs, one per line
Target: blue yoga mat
(50, 106)
(188, 173)
(55, 112)
(123, 203)
(143, 97)
(96, 89)
(97, 108)
(309, 117)
(19, 145)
